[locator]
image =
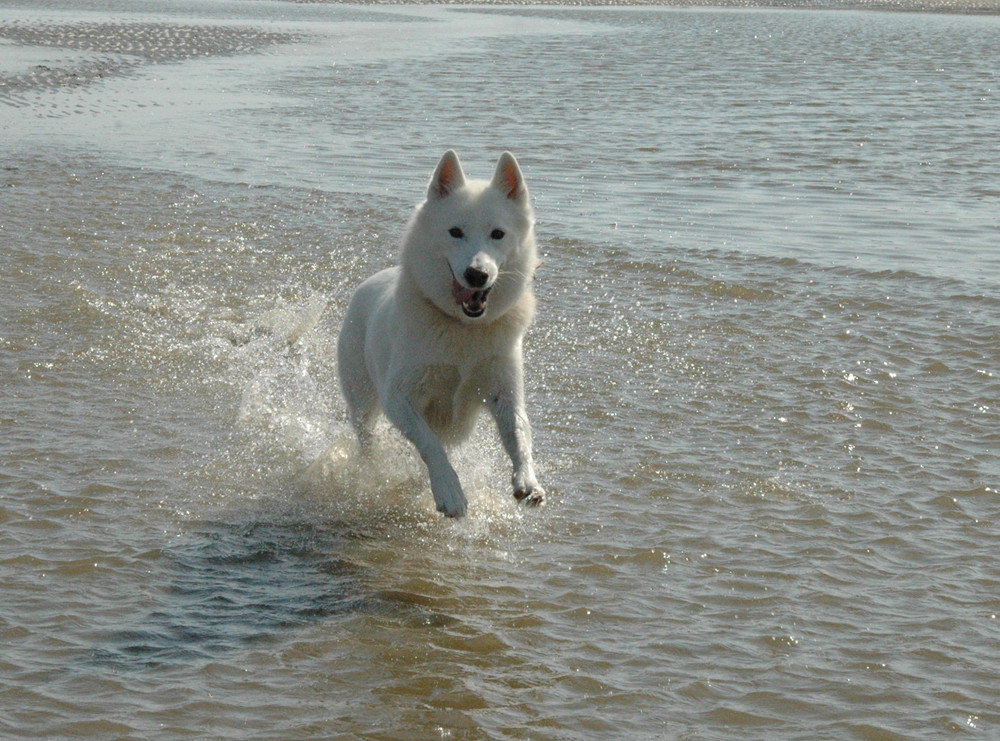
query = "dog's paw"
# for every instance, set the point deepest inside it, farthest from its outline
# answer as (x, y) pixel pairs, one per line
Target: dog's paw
(452, 510)
(448, 495)
(532, 496)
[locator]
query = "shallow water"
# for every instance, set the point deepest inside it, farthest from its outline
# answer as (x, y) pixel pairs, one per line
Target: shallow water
(763, 378)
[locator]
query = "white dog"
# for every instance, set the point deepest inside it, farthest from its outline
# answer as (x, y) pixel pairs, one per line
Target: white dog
(438, 337)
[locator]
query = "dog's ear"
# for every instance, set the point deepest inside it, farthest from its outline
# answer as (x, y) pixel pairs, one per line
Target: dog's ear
(448, 177)
(508, 178)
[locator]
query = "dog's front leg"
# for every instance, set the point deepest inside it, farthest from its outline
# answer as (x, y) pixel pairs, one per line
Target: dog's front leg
(515, 432)
(445, 486)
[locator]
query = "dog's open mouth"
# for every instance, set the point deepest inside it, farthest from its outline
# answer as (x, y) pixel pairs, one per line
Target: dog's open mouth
(472, 301)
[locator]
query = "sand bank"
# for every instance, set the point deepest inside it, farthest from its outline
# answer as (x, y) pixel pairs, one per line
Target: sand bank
(55, 54)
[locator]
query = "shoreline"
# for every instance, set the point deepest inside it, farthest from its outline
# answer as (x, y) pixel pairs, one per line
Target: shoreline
(967, 7)
(59, 54)
(955, 7)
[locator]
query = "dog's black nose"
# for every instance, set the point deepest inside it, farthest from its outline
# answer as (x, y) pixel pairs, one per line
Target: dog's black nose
(475, 277)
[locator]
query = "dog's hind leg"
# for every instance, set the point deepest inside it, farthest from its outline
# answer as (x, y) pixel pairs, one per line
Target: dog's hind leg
(358, 390)
(362, 409)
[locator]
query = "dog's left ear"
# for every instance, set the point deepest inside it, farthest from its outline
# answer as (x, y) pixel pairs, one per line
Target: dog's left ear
(508, 178)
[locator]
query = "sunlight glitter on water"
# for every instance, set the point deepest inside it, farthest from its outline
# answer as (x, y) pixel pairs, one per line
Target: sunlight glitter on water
(762, 376)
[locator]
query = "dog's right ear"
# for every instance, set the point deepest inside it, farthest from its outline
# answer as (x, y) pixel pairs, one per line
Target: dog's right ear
(448, 177)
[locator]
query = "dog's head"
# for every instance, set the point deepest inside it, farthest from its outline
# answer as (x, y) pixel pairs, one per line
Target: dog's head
(470, 246)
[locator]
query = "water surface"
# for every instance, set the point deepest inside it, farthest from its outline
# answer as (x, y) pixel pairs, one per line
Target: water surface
(763, 377)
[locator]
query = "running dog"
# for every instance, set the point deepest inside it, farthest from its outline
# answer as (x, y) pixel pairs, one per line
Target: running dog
(435, 339)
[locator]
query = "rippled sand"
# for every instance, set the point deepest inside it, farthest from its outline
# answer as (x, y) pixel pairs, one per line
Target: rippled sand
(108, 48)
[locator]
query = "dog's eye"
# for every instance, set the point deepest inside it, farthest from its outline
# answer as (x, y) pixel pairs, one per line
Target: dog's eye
(496, 234)
(456, 232)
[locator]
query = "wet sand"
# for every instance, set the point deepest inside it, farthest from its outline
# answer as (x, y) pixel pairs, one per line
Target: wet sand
(46, 55)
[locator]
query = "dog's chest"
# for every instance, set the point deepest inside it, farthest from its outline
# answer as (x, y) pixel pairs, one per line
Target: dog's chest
(448, 398)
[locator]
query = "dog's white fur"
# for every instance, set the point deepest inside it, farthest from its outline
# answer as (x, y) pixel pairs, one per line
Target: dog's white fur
(438, 337)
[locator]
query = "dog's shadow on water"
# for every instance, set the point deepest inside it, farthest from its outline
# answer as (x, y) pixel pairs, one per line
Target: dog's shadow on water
(228, 586)
(307, 557)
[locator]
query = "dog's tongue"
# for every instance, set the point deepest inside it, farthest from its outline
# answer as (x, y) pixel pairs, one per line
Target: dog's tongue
(473, 302)
(461, 293)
